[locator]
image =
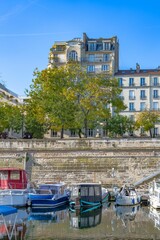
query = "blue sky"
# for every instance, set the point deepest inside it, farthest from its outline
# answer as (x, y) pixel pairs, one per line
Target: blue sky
(28, 29)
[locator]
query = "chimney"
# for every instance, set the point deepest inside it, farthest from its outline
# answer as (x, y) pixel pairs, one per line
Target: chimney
(137, 68)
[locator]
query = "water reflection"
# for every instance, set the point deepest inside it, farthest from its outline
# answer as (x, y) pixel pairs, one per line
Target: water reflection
(154, 214)
(48, 214)
(14, 225)
(126, 213)
(85, 218)
(109, 222)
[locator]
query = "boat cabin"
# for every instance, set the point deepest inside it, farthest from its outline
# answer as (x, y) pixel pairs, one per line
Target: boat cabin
(54, 188)
(89, 193)
(13, 178)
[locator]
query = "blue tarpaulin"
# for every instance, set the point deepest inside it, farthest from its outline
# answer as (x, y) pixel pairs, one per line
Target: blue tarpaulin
(6, 210)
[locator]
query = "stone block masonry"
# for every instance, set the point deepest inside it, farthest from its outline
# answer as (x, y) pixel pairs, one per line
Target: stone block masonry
(111, 162)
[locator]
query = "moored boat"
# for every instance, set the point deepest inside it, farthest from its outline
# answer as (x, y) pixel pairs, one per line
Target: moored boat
(154, 194)
(49, 195)
(13, 187)
(127, 196)
(88, 195)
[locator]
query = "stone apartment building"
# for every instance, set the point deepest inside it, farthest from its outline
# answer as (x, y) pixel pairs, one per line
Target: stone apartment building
(140, 87)
(98, 55)
(141, 90)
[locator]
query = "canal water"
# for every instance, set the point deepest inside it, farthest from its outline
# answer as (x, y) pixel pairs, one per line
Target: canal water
(109, 222)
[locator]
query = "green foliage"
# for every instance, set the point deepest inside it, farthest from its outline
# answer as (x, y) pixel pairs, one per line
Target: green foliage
(147, 119)
(10, 117)
(69, 98)
(119, 125)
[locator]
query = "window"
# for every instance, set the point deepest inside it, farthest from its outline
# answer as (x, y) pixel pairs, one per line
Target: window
(73, 56)
(106, 46)
(84, 191)
(73, 133)
(90, 68)
(131, 82)
(132, 117)
(105, 68)
(156, 131)
(91, 46)
(131, 107)
(155, 81)
(155, 93)
(155, 106)
(91, 191)
(90, 132)
(131, 95)
(15, 175)
(142, 106)
(105, 57)
(142, 94)
(120, 82)
(99, 46)
(91, 57)
(142, 82)
(54, 133)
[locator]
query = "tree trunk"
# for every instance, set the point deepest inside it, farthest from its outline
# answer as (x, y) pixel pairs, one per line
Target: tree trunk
(62, 132)
(79, 133)
(85, 127)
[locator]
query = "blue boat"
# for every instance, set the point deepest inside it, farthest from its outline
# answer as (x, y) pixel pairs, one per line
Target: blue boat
(49, 195)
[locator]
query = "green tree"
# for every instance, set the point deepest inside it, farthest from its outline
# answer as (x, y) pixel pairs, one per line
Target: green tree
(69, 98)
(49, 98)
(119, 125)
(147, 120)
(94, 95)
(10, 117)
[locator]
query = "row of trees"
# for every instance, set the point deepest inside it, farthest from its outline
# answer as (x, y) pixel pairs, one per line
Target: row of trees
(68, 97)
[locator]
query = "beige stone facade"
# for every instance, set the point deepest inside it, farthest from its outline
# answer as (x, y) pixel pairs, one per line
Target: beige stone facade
(97, 54)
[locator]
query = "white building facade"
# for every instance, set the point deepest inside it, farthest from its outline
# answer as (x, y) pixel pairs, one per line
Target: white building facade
(140, 91)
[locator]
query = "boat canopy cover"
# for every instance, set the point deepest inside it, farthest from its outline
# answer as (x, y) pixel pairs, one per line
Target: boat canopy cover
(6, 210)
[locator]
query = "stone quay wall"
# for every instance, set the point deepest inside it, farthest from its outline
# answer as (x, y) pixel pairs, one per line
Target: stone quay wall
(112, 162)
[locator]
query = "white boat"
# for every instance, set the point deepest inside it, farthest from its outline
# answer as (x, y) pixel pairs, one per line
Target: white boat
(154, 214)
(127, 196)
(49, 195)
(154, 194)
(13, 187)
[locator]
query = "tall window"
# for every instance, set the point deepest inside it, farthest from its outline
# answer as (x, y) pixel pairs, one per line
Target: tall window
(131, 82)
(91, 46)
(106, 46)
(155, 81)
(120, 82)
(105, 57)
(155, 93)
(131, 107)
(90, 68)
(91, 57)
(73, 56)
(105, 68)
(142, 106)
(142, 94)
(155, 106)
(156, 131)
(142, 82)
(131, 95)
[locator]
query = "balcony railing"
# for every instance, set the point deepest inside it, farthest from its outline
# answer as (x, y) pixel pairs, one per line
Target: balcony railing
(132, 97)
(143, 97)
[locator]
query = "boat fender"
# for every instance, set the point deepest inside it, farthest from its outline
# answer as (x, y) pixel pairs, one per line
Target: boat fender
(133, 201)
